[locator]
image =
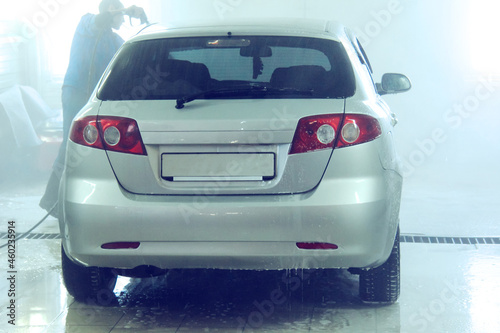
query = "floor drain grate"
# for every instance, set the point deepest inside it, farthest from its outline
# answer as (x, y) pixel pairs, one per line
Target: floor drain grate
(449, 240)
(32, 235)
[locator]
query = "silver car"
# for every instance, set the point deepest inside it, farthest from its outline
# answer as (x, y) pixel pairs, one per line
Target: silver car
(261, 146)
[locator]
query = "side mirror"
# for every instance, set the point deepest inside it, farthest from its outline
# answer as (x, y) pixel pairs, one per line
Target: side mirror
(393, 83)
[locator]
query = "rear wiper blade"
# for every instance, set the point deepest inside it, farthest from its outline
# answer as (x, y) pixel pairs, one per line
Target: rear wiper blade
(238, 89)
(186, 99)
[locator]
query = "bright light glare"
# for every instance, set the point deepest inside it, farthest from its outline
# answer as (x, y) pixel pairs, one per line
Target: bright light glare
(483, 28)
(57, 24)
(484, 292)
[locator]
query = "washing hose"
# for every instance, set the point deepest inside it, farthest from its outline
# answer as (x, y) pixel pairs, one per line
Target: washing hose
(34, 227)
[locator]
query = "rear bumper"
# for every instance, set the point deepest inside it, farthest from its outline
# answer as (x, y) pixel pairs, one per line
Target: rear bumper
(357, 213)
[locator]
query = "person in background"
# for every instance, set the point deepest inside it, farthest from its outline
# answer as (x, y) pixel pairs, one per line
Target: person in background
(94, 45)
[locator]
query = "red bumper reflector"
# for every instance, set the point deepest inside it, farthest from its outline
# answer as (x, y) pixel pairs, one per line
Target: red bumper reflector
(120, 245)
(317, 246)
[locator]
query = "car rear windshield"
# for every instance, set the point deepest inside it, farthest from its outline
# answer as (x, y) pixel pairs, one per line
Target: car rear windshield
(221, 67)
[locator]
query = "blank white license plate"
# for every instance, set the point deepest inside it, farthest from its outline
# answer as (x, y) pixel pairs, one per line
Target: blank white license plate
(218, 167)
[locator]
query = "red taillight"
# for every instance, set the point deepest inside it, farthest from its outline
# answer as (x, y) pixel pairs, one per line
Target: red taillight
(110, 133)
(322, 132)
(121, 245)
(317, 246)
(358, 128)
(306, 136)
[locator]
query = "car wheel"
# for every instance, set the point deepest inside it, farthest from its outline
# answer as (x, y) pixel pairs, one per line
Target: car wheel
(88, 284)
(382, 284)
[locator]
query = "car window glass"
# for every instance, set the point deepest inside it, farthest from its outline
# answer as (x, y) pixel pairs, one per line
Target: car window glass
(364, 60)
(365, 57)
(227, 64)
(176, 67)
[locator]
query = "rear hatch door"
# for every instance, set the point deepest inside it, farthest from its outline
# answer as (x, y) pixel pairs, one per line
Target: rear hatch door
(220, 146)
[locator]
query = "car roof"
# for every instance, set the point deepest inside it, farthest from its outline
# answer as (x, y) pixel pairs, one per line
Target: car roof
(270, 27)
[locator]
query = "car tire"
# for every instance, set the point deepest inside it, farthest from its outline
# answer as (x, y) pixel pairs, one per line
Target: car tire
(88, 284)
(382, 284)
